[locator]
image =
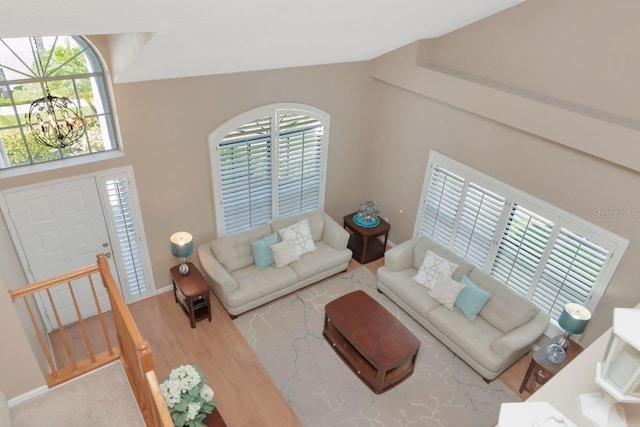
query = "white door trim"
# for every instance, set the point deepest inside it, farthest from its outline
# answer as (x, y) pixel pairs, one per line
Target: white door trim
(98, 177)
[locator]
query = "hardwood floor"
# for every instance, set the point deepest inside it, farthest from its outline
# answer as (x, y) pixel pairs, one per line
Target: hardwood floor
(244, 392)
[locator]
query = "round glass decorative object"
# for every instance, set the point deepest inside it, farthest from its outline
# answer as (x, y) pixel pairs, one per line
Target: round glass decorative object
(368, 211)
(555, 353)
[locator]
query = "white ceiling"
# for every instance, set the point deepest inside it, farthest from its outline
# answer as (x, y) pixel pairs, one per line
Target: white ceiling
(156, 39)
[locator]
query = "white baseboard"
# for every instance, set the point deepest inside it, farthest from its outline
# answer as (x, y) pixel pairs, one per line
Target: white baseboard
(167, 288)
(28, 395)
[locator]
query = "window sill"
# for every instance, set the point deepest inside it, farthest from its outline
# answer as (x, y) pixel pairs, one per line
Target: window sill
(59, 164)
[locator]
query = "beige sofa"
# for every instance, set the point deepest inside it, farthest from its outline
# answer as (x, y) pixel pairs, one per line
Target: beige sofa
(504, 330)
(239, 286)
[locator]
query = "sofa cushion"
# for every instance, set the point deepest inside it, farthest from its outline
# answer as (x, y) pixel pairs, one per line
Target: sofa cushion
(471, 299)
(234, 251)
(299, 235)
(411, 293)
(424, 244)
(262, 253)
(322, 259)
(505, 310)
(315, 219)
(432, 267)
(474, 338)
(284, 253)
(446, 290)
(254, 284)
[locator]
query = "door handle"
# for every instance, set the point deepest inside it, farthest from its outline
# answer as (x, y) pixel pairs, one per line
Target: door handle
(108, 254)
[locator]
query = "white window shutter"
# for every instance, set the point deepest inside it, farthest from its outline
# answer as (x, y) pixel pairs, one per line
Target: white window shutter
(522, 246)
(128, 242)
(441, 205)
(245, 170)
(299, 163)
(481, 211)
(570, 273)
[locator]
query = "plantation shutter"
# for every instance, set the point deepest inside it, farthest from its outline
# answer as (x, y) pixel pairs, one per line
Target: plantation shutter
(570, 273)
(245, 169)
(299, 163)
(122, 216)
(441, 205)
(481, 212)
(521, 249)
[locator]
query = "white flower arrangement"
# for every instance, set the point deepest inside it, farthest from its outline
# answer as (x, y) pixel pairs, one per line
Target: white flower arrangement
(188, 397)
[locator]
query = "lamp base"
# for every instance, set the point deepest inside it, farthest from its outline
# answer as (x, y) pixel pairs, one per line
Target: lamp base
(602, 412)
(183, 269)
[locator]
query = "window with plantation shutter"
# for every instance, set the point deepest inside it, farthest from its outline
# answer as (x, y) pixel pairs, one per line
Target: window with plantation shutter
(540, 251)
(481, 211)
(123, 221)
(300, 166)
(245, 175)
(268, 167)
(126, 233)
(521, 249)
(441, 205)
(570, 273)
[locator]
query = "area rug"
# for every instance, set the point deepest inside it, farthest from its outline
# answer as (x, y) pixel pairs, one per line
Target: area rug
(322, 391)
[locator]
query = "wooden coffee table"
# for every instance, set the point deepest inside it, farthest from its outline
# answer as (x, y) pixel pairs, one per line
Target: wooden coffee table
(373, 343)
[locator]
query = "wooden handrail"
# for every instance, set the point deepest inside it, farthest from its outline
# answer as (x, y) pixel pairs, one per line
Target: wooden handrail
(133, 351)
(137, 359)
(54, 281)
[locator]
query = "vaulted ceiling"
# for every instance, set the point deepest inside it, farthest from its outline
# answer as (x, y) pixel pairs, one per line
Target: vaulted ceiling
(157, 39)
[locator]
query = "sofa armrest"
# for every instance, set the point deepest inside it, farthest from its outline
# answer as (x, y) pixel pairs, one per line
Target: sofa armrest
(223, 283)
(400, 257)
(334, 235)
(521, 337)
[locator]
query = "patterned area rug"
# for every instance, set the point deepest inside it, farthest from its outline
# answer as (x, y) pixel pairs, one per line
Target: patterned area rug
(287, 338)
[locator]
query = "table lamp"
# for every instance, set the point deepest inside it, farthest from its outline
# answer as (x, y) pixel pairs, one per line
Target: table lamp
(573, 320)
(182, 247)
(618, 374)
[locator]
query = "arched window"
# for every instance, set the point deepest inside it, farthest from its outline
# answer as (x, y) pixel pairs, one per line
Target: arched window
(267, 163)
(69, 67)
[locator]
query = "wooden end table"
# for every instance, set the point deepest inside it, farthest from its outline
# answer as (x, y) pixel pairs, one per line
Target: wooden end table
(540, 363)
(214, 419)
(364, 242)
(192, 292)
(373, 343)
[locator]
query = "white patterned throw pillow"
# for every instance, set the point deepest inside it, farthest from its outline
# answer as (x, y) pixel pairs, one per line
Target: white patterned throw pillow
(431, 267)
(446, 290)
(299, 235)
(284, 253)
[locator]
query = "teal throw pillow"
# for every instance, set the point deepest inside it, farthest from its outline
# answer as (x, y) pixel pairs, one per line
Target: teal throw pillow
(471, 299)
(261, 249)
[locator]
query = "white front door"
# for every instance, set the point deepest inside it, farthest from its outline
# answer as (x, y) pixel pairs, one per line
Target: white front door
(61, 227)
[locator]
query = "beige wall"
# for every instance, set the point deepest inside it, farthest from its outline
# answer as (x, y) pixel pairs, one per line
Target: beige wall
(580, 51)
(19, 370)
(551, 49)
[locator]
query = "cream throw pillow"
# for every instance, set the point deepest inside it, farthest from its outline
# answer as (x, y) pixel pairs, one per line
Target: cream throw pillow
(284, 253)
(446, 290)
(299, 235)
(431, 267)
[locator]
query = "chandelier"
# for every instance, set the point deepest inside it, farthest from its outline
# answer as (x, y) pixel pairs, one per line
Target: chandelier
(53, 120)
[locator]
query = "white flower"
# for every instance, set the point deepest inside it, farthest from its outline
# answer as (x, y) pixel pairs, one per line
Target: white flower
(206, 393)
(192, 410)
(185, 392)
